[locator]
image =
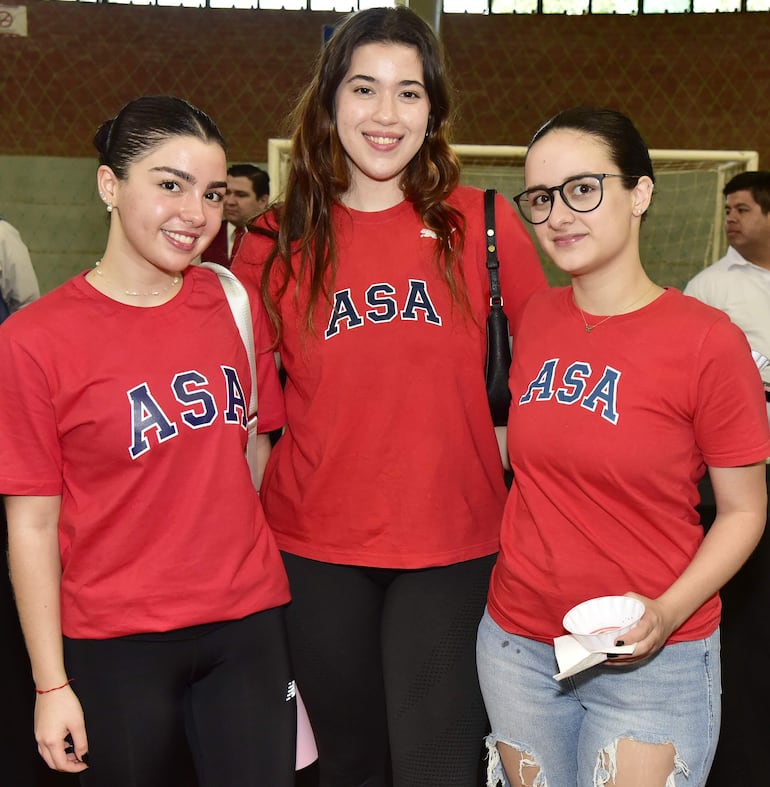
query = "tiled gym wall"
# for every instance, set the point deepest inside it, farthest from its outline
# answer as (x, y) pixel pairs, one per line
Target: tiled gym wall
(689, 81)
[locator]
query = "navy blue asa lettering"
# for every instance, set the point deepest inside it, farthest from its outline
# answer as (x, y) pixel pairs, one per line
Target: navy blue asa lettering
(192, 389)
(602, 397)
(383, 307)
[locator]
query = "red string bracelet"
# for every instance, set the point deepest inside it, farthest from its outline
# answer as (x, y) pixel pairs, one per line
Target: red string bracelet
(55, 688)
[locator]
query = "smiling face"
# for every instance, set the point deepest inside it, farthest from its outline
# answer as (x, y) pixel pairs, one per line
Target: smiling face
(580, 243)
(381, 113)
(168, 208)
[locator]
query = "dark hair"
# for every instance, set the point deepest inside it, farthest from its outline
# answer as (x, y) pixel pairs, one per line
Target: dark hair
(621, 137)
(757, 182)
(260, 180)
(319, 171)
(147, 122)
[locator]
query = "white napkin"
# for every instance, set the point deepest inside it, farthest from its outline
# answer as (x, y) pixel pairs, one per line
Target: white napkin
(572, 657)
(760, 360)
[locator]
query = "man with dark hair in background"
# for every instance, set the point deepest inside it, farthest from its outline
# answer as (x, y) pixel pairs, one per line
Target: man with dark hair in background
(247, 195)
(739, 284)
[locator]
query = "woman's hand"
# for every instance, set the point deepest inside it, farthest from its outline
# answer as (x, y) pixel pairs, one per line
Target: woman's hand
(649, 635)
(60, 731)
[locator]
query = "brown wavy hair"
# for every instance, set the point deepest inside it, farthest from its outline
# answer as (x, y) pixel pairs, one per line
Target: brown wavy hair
(319, 173)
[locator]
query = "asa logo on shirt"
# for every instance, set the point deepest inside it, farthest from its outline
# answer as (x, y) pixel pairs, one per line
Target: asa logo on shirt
(193, 391)
(380, 305)
(575, 386)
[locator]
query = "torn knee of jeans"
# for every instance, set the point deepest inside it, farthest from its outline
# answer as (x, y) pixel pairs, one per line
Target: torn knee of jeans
(607, 761)
(496, 773)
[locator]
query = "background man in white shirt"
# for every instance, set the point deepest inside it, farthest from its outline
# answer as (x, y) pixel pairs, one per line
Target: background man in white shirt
(739, 283)
(18, 283)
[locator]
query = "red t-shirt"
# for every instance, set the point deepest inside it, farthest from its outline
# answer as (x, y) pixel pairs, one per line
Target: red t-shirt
(609, 434)
(390, 457)
(135, 417)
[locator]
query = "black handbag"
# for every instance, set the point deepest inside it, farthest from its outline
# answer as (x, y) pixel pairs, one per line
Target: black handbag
(498, 343)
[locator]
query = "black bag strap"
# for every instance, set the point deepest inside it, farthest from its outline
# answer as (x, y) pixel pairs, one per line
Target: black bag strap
(493, 263)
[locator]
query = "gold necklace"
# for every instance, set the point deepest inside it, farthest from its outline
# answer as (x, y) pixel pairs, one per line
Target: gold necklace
(628, 308)
(177, 278)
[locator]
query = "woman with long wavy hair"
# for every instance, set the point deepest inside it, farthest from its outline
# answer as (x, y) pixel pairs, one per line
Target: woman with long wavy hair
(385, 493)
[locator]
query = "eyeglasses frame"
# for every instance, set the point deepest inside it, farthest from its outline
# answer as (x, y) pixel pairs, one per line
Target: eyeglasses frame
(600, 176)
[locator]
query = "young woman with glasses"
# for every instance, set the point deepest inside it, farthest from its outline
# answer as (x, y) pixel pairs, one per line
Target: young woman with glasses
(624, 393)
(386, 491)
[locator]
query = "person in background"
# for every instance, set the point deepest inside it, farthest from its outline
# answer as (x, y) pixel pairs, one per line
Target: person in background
(18, 283)
(624, 394)
(739, 283)
(385, 493)
(148, 585)
(246, 197)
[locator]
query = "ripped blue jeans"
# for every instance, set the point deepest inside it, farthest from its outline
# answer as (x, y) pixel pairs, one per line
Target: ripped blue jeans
(569, 730)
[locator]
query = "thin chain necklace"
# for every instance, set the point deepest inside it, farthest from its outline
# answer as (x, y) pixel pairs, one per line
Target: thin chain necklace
(628, 308)
(177, 278)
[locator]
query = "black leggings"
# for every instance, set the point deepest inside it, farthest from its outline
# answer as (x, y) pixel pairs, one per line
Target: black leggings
(385, 660)
(214, 701)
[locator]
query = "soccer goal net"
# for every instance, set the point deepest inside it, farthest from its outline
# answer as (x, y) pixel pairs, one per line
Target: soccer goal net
(684, 228)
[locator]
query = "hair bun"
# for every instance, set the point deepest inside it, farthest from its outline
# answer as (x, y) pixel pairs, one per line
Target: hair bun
(102, 140)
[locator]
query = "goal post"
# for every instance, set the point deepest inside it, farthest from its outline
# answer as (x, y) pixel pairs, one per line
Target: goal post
(684, 228)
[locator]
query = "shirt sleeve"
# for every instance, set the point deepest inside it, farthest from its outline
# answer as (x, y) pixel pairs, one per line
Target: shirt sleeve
(270, 406)
(731, 425)
(521, 273)
(30, 456)
(247, 265)
(708, 287)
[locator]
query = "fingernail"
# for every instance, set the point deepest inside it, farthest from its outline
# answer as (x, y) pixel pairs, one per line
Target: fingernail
(612, 655)
(84, 758)
(619, 643)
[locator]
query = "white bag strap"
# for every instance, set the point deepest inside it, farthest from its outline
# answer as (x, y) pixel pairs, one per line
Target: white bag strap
(238, 299)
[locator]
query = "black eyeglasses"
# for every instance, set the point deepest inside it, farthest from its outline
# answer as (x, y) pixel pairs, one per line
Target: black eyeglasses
(583, 193)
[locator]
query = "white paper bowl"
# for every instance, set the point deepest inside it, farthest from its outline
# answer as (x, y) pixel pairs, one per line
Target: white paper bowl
(597, 623)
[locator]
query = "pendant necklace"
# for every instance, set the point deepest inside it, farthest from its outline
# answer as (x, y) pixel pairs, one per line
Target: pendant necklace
(134, 294)
(628, 308)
